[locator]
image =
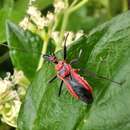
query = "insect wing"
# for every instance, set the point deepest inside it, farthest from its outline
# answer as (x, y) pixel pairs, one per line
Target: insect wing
(82, 81)
(77, 88)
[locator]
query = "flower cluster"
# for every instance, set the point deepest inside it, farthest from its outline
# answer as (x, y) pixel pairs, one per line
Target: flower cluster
(47, 26)
(34, 17)
(59, 6)
(72, 37)
(35, 22)
(31, 2)
(12, 90)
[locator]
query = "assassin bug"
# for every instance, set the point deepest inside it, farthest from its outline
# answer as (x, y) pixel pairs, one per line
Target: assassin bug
(76, 85)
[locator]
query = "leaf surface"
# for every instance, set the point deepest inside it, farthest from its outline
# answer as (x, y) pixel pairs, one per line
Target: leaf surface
(13, 10)
(106, 51)
(25, 49)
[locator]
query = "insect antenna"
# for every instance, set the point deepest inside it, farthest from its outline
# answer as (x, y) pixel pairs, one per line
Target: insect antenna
(65, 49)
(76, 60)
(119, 83)
(94, 75)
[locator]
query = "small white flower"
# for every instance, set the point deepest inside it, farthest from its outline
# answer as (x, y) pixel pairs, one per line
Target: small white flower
(8, 76)
(13, 95)
(59, 5)
(50, 16)
(31, 1)
(79, 34)
(71, 37)
(24, 23)
(10, 99)
(41, 22)
(17, 76)
(10, 116)
(55, 36)
(33, 11)
(5, 85)
(35, 16)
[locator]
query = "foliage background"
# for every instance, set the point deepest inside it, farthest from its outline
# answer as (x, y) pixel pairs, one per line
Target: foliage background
(108, 43)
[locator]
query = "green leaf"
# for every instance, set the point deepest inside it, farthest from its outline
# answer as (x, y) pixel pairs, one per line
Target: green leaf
(106, 51)
(114, 10)
(25, 49)
(4, 126)
(41, 4)
(13, 10)
(86, 22)
(93, 13)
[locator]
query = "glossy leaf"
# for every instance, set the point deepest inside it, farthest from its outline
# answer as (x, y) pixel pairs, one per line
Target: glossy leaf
(25, 49)
(106, 51)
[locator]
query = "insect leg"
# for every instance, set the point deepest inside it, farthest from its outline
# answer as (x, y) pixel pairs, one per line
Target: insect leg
(92, 74)
(61, 84)
(51, 80)
(74, 61)
(65, 51)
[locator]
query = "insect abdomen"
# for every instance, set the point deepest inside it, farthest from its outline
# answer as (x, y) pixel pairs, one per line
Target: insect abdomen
(80, 91)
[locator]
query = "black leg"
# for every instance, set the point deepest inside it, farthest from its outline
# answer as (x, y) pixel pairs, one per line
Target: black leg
(52, 79)
(53, 53)
(61, 84)
(74, 61)
(65, 51)
(92, 74)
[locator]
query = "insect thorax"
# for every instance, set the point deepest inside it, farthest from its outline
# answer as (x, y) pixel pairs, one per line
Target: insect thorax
(63, 69)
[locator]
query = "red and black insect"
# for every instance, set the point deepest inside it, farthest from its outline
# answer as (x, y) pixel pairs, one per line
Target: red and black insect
(76, 85)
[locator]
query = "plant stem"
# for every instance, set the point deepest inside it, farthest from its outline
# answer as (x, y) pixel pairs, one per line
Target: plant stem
(4, 57)
(67, 13)
(73, 3)
(77, 6)
(44, 49)
(45, 37)
(64, 24)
